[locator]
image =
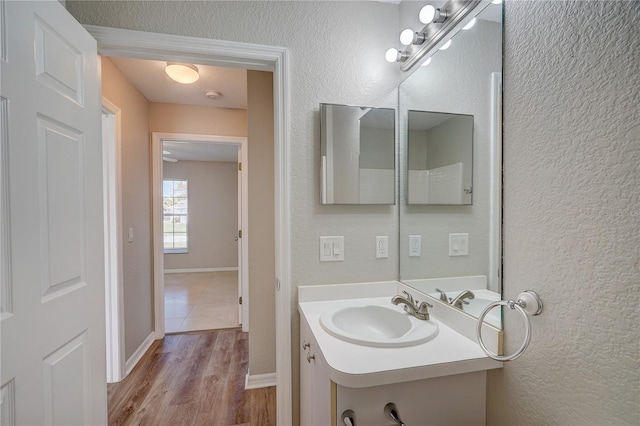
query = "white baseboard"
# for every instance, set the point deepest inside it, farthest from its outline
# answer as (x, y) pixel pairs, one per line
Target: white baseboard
(138, 354)
(184, 271)
(260, 381)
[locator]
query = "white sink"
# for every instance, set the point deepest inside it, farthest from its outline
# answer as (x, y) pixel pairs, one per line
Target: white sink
(375, 325)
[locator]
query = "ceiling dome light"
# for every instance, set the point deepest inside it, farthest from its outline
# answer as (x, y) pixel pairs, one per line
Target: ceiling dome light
(470, 24)
(406, 37)
(427, 62)
(182, 73)
(213, 95)
(446, 45)
(427, 14)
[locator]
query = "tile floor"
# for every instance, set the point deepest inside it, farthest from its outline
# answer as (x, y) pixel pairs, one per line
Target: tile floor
(200, 301)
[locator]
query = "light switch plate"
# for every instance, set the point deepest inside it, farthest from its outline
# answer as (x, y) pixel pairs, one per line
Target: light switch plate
(415, 245)
(459, 244)
(331, 249)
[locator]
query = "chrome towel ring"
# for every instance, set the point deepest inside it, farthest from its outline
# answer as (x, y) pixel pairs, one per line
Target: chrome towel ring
(528, 304)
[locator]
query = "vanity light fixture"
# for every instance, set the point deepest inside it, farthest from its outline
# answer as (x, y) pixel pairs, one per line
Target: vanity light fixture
(438, 23)
(182, 73)
(470, 24)
(430, 13)
(394, 55)
(446, 45)
(409, 36)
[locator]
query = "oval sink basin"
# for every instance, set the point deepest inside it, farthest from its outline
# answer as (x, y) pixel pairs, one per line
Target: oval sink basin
(379, 326)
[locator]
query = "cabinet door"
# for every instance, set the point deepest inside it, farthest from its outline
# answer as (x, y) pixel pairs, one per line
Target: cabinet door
(306, 394)
(315, 385)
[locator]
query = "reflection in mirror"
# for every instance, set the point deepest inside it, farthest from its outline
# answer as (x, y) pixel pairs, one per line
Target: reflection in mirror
(357, 147)
(440, 157)
(453, 252)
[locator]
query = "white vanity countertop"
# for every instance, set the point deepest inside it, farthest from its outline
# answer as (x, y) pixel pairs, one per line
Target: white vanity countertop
(354, 365)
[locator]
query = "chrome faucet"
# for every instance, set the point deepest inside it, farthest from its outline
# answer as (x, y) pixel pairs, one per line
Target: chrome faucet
(460, 299)
(443, 295)
(411, 306)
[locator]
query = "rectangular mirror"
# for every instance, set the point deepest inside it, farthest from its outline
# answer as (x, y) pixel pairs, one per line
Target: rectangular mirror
(357, 148)
(440, 158)
(449, 243)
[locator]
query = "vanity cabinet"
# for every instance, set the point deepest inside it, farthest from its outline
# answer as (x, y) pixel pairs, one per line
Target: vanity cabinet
(448, 400)
(315, 385)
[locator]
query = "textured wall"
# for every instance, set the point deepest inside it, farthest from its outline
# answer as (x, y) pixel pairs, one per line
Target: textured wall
(136, 205)
(213, 214)
(572, 213)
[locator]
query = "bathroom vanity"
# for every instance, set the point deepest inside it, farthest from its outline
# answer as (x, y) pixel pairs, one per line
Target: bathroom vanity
(438, 381)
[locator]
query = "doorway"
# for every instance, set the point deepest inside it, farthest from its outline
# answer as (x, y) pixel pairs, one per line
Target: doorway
(194, 294)
(118, 42)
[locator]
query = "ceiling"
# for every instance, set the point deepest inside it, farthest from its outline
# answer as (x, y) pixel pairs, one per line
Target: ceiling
(151, 80)
(200, 151)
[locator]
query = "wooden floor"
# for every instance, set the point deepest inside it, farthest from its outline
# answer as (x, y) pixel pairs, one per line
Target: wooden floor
(192, 379)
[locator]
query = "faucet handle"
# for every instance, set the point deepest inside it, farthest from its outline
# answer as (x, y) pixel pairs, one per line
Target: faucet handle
(409, 296)
(443, 295)
(423, 308)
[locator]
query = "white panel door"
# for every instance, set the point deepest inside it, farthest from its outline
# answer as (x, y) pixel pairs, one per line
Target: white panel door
(52, 327)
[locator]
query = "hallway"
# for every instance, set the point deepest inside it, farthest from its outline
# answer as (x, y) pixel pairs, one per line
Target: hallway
(200, 301)
(192, 379)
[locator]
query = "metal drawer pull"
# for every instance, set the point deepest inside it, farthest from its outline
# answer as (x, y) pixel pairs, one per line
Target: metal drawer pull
(305, 344)
(310, 357)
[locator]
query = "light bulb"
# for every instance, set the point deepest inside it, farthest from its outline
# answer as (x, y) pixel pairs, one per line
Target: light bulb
(406, 37)
(391, 55)
(427, 62)
(446, 45)
(496, 1)
(427, 14)
(470, 24)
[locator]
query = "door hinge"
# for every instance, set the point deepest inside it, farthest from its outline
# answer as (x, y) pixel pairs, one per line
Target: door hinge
(239, 166)
(240, 300)
(240, 233)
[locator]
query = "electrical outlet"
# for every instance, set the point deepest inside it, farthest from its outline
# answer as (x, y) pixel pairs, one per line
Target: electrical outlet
(415, 245)
(382, 247)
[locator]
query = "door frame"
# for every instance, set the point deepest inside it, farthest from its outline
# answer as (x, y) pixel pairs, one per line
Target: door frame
(157, 138)
(114, 274)
(144, 45)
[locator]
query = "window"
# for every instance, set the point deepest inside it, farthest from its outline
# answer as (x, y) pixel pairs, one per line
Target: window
(175, 213)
